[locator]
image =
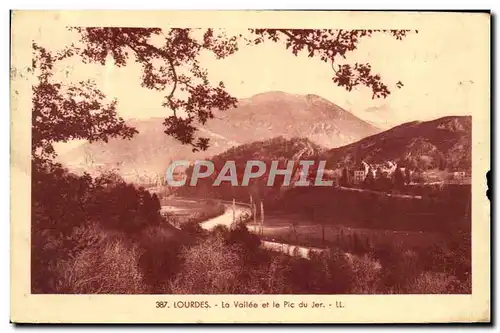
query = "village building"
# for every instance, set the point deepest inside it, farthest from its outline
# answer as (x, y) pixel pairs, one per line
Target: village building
(359, 176)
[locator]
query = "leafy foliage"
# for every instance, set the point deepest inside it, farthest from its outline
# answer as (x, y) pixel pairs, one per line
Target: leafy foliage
(173, 65)
(328, 45)
(65, 112)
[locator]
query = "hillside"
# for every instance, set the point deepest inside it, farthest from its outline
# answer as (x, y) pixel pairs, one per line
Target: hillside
(272, 149)
(145, 155)
(260, 117)
(441, 143)
(276, 149)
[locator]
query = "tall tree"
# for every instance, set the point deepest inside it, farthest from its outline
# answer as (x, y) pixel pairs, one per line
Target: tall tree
(344, 178)
(369, 179)
(407, 176)
(399, 178)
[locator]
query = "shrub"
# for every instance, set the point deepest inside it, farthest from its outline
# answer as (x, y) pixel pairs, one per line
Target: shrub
(159, 259)
(274, 277)
(46, 249)
(270, 276)
(452, 256)
(331, 272)
(366, 275)
(438, 283)
(64, 205)
(209, 268)
(240, 236)
(399, 267)
(353, 243)
(102, 263)
(220, 231)
(193, 228)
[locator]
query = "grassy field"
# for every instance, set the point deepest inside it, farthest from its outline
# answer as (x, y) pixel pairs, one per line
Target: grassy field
(446, 210)
(296, 229)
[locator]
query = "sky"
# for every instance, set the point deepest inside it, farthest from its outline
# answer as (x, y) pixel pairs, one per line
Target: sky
(437, 67)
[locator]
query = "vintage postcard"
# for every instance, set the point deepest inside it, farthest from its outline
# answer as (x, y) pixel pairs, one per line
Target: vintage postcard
(250, 167)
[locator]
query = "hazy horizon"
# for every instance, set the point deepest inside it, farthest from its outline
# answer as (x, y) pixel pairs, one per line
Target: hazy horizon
(62, 148)
(430, 118)
(438, 79)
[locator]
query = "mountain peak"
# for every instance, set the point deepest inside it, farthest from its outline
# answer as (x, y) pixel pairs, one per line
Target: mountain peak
(271, 95)
(278, 94)
(314, 97)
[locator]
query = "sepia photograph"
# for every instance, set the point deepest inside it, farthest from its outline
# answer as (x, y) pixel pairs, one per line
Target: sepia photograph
(215, 158)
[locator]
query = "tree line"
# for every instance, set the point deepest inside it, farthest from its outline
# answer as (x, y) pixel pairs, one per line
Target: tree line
(378, 179)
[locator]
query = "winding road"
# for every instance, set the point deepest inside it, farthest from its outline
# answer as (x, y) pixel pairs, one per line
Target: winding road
(242, 211)
(227, 217)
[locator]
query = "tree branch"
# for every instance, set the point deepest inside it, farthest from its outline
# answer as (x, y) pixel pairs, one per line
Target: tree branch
(298, 40)
(165, 55)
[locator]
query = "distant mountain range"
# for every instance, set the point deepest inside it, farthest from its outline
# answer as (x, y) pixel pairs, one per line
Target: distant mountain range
(442, 143)
(259, 118)
(264, 125)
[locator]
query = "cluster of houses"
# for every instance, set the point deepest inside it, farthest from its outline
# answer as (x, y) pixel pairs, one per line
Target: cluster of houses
(459, 177)
(387, 170)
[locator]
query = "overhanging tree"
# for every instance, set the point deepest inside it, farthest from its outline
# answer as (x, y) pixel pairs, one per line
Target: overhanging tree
(63, 112)
(170, 64)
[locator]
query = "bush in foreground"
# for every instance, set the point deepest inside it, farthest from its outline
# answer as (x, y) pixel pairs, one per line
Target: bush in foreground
(101, 263)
